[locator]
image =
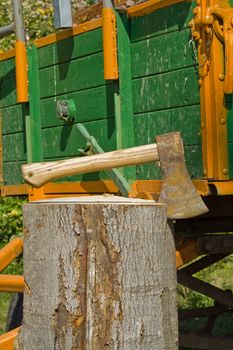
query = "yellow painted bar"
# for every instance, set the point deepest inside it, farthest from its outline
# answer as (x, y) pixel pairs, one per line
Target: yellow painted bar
(7, 339)
(21, 72)
(110, 44)
(11, 283)
(10, 252)
(148, 7)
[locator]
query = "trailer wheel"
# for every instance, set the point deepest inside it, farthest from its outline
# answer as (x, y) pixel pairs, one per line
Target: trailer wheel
(15, 312)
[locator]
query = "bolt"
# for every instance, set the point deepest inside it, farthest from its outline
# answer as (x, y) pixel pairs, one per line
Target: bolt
(202, 125)
(223, 121)
(225, 171)
(195, 11)
(200, 82)
(204, 172)
(208, 246)
(221, 77)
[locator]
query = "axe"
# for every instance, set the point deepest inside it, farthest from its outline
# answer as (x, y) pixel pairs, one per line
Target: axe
(178, 191)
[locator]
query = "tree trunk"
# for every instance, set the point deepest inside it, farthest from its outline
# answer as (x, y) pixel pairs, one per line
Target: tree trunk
(100, 275)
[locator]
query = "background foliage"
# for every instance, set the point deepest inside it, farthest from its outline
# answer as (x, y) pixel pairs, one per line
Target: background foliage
(38, 18)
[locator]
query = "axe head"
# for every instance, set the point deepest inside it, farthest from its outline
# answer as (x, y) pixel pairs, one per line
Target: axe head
(178, 191)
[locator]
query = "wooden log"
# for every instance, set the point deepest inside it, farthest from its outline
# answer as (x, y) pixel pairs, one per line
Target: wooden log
(100, 274)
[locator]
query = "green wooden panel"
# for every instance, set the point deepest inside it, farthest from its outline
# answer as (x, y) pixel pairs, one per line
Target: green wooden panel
(193, 157)
(148, 125)
(91, 104)
(7, 68)
(162, 21)
(12, 173)
(230, 152)
(160, 54)
(14, 147)
(71, 76)
(65, 141)
(71, 48)
(169, 90)
(13, 118)
(8, 92)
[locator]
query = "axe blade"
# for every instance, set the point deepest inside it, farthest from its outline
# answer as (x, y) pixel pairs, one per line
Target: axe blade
(178, 192)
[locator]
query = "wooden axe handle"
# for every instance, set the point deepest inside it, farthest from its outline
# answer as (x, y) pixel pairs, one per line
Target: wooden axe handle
(37, 174)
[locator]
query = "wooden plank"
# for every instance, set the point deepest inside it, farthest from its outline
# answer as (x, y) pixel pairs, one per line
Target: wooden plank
(124, 101)
(14, 147)
(71, 48)
(65, 141)
(12, 173)
(166, 20)
(7, 69)
(72, 76)
(91, 104)
(108, 267)
(8, 92)
(160, 53)
(148, 125)
(168, 90)
(13, 118)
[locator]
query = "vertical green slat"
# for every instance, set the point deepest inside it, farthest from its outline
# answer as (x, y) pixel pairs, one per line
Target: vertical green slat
(124, 108)
(33, 121)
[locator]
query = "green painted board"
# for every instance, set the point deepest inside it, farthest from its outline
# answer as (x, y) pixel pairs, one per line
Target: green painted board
(65, 141)
(148, 125)
(14, 147)
(7, 69)
(91, 104)
(162, 21)
(163, 53)
(71, 48)
(168, 90)
(13, 118)
(12, 173)
(8, 92)
(71, 76)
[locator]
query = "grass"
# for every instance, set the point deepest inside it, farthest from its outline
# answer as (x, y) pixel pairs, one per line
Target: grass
(4, 304)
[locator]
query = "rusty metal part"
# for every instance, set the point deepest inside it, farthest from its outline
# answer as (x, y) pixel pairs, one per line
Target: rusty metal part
(203, 312)
(177, 192)
(10, 252)
(205, 341)
(202, 263)
(223, 297)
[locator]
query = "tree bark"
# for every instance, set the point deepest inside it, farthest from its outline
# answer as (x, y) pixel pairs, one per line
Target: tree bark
(100, 275)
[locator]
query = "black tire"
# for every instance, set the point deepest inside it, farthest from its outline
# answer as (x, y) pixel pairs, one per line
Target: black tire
(15, 312)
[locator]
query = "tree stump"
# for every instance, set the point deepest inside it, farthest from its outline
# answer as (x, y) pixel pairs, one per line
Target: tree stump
(100, 275)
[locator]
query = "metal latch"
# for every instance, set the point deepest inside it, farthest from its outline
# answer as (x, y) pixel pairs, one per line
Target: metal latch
(66, 110)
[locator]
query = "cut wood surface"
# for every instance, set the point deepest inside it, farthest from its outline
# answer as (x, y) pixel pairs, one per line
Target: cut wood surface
(37, 174)
(100, 274)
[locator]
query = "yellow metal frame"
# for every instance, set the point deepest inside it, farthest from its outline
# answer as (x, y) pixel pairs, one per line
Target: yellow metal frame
(147, 7)
(10, 252)
(110, 44)
(212, 85)
(21, 72)
(7, 339)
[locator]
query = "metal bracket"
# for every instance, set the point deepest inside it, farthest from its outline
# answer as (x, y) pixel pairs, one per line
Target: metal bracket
(66, 110)
(209, 19)
(94, 148)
